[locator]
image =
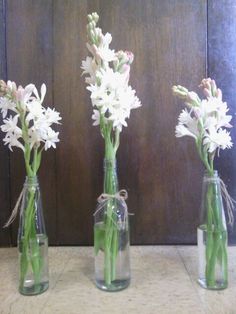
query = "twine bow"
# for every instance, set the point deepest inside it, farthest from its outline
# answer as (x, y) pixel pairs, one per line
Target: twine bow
(229, 202)
(15, 210)
(122, 196)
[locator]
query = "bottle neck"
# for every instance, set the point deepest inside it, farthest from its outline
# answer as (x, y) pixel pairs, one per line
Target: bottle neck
(211, 177)
(110, 184)
(31, 181)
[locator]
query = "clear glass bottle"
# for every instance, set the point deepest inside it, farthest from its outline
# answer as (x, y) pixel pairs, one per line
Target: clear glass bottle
(32, 241)
(111, 236)
(212, 236)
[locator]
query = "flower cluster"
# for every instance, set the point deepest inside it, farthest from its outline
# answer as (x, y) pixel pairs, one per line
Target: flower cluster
(108, 77)
(28, 123)
(204, 120)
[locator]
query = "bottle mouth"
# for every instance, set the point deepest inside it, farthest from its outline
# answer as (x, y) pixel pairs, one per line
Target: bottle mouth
(29, 181)
(212, 175)
(109, 163)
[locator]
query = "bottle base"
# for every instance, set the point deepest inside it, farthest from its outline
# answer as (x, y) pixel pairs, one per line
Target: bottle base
(34, 289)
(116, 285)
(218, 285)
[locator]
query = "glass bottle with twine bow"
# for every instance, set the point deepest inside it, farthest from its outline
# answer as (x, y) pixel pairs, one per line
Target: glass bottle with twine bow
(30, 130)
(206, 122)
(111, 234)
(107, 75)
(32, 241)
(212, 234)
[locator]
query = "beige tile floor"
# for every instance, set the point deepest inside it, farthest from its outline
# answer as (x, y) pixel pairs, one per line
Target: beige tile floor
(163, 281)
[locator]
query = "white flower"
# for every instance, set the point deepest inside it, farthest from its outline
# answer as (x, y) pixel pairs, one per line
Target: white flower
(209, 106)
(35, 136)
(187, 126)
(34, 104)
(181, 130)
(52, 116)
(5, 105)
(87, 65)
(11, 86)
(37, 120)
(102, 51)
(11, 139)
(35, 110)
(118, 117)
(24, 94)
(43, 91)
(111, 80)
(51, 138)
(220, 139)
(111, 96)
(96, 117)
(10, 126)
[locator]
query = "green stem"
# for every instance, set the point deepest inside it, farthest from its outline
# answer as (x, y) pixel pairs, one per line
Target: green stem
(110, 187)
(216, 241)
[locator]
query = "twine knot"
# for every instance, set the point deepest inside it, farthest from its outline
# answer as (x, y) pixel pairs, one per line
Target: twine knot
(120, 195)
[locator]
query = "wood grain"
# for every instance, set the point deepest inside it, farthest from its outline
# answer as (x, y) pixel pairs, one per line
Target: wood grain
(159, 172)
(163, 175)
(5, 234)
(222, 67)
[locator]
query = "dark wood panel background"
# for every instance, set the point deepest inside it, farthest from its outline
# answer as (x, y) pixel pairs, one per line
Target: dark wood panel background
(174, 42)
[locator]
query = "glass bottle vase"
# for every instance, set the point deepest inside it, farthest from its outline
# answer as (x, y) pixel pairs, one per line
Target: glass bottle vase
(111, 236)
(32, 241)
(212, 236)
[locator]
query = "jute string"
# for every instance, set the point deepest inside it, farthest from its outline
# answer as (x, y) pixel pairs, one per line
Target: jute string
(229, 202)
(15, 210)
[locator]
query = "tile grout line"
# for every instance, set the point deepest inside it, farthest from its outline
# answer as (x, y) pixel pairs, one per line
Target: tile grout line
(54, 286)
(191, 280)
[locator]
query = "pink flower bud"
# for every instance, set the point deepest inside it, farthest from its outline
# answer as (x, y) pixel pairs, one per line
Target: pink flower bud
(19, 95)
(206, 83)
(207, 92)
(125, 70)
(130, 56)
(209, 87)
(218, 94)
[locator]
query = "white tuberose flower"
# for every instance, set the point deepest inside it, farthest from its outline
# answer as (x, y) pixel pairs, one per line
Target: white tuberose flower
(217, 139)
(51, 138)
(37, 120)
(52, 116)
(187, 126)
(5, 105)
(11, 139)
(96, 117)
(10, 125)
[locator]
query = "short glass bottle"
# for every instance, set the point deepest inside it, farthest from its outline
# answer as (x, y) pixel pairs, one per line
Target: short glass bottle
(32, 241)
(212, 236)
(111, 236)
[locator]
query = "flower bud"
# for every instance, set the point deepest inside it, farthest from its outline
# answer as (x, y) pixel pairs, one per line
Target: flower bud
(125, 70)
(130, 56)
(92, 24)
(90, 18)
(207, 92)
(95, 17)
(3, 88)
(192, 99)
(213, 87)
(218, 94)
(209, 87)
(180, 91)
